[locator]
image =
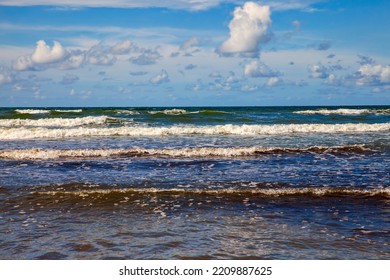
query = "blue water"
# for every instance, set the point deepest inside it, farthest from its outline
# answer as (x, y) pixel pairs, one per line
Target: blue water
(195, 183)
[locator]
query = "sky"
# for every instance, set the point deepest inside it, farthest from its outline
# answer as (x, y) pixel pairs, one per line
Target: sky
(131, 53)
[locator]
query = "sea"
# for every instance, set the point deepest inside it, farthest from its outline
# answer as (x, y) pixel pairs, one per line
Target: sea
(195, 183)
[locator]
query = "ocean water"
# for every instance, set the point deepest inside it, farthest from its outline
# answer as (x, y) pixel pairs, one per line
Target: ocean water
(195, 183)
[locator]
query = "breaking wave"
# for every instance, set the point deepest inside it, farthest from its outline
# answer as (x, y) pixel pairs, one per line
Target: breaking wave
(173, 112)
(180, 152)
(40, 111)
(55, 122)
(344, 111)
(229, 129)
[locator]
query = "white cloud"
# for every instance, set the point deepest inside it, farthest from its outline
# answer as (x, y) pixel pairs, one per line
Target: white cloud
(373, 75)
(43, 57)
(248, 28)
(44, 54)
(273, 81)
(23, 63)
(122, 47)
(74, 61)
(318, 71)
(147, 57)
(257, 69)
(99, 55)
(163, 77)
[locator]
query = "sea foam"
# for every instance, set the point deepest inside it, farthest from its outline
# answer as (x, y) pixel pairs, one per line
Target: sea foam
(229, 129)
(54, 122)
(45, 154)
(343, 112)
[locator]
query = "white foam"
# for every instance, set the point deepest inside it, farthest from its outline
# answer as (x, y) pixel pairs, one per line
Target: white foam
(69, 111)
(32, 111)
(44, 154)
(288, 191)
(52, 122)
(173, 112)
(128, 112)
(229, 129)
(341, 112)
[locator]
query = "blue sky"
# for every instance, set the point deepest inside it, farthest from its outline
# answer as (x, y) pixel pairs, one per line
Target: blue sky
(194, 52)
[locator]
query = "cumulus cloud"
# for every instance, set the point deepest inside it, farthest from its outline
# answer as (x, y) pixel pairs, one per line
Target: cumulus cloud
(257, 69)
(227, 83)
(163, 77)
(147, 57)
(45, 54)
(23, 63)
(274, 81)
(248, 28)
(122, 48)
(74, 60)
(318, 71)
(99, 55)
(373, 75)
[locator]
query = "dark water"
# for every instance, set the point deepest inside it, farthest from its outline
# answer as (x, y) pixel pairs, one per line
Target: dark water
(195, 183)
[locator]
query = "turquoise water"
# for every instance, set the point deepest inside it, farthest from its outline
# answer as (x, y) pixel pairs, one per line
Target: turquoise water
(195, 183)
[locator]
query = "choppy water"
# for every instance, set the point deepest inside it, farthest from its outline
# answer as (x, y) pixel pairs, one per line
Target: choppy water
(197, 183)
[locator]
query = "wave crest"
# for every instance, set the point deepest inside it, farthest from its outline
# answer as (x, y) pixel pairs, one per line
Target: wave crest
(344, 112)
(41, 154)
(229, 129)
(54, 122)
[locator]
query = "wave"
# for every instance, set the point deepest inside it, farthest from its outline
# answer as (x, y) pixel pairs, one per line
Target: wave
(229, 129)
(40, 111)
(44, 154)
(258, 192)
(55, 122)
(69, 111)
(31, 111)
(173, 112)
(344, 111)
(128, 112)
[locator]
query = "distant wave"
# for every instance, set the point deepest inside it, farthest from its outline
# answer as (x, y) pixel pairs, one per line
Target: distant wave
(258, 192)
(344, 111)
(44, 154)
(128, 112)
(173, 112)
(69, 111)
(37, 111)
(229, 129)
(54, 122)
(32, 111)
